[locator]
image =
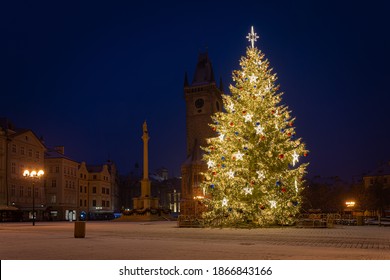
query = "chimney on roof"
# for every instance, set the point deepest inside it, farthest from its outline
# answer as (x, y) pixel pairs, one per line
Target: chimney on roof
(60, 149)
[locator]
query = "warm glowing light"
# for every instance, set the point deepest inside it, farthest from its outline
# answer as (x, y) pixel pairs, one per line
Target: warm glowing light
(33, 173)
(350, 203)
(252, 37)
(198, 197)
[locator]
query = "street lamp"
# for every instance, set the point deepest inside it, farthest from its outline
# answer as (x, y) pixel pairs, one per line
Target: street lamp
(33, 175)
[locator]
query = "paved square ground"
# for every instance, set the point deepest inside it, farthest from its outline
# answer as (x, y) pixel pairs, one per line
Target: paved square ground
(164, 240)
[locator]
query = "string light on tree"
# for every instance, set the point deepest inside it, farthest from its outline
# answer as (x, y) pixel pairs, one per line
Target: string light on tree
(248, 117)
(210, 164)
(225, 202)
(260, 175)
(253, 78)
(230, 174)
(256, 131)
(295, 158)
(248, 190)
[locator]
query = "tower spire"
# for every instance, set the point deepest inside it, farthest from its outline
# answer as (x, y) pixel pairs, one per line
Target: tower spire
(220, 84)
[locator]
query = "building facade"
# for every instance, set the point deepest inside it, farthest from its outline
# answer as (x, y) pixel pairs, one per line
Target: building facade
(203, 98)
(67, 189)
(61, 180)
(21, 149)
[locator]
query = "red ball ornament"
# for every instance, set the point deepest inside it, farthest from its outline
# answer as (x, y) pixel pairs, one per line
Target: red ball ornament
(291, 123)
(262, 207)
(281, 156)
(231, 124)
(214, 173)
(305, 154)
(243, 112)
(289, 134)
(214, 129)
(283, 190)
(252, 183)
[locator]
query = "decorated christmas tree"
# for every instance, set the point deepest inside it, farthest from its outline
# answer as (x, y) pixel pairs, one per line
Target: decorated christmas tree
(254, 175)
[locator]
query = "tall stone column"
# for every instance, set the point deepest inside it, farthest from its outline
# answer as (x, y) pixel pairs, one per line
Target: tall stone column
(145, 183)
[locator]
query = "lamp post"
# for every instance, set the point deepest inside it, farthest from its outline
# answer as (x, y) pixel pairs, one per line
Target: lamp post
(33, 175)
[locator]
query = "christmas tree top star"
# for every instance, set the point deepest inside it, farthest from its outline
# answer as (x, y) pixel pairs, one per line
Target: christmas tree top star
(252, 37)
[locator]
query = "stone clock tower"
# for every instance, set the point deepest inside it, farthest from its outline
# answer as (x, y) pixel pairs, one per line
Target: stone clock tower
(203, 98)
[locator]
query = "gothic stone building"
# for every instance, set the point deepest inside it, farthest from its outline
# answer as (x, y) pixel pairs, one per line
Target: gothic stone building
(203, 98)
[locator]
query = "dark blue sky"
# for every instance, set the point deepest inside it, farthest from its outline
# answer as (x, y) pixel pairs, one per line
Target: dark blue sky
(86, 75)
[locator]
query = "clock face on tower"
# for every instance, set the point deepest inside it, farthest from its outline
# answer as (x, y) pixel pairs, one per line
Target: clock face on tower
(199, 103)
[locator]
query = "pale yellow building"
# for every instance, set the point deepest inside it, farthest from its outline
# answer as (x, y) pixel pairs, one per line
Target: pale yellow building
(62, 184)
(67, 189)
(100, 191)
(21, 149)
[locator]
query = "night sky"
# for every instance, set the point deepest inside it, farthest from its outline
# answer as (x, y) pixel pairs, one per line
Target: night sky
(86, 75)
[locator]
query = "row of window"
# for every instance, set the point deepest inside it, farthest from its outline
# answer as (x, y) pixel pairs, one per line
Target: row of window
(105, 203)
(69, 184)
(20, 191)
(104, 190)
(22, 151)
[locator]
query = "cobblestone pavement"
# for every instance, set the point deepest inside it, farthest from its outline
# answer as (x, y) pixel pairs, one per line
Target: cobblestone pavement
(164, 240)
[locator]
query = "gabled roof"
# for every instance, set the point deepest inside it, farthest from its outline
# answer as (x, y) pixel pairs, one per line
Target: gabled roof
(95, 168)
(204, 73)
(51, 153)
(20, 132)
